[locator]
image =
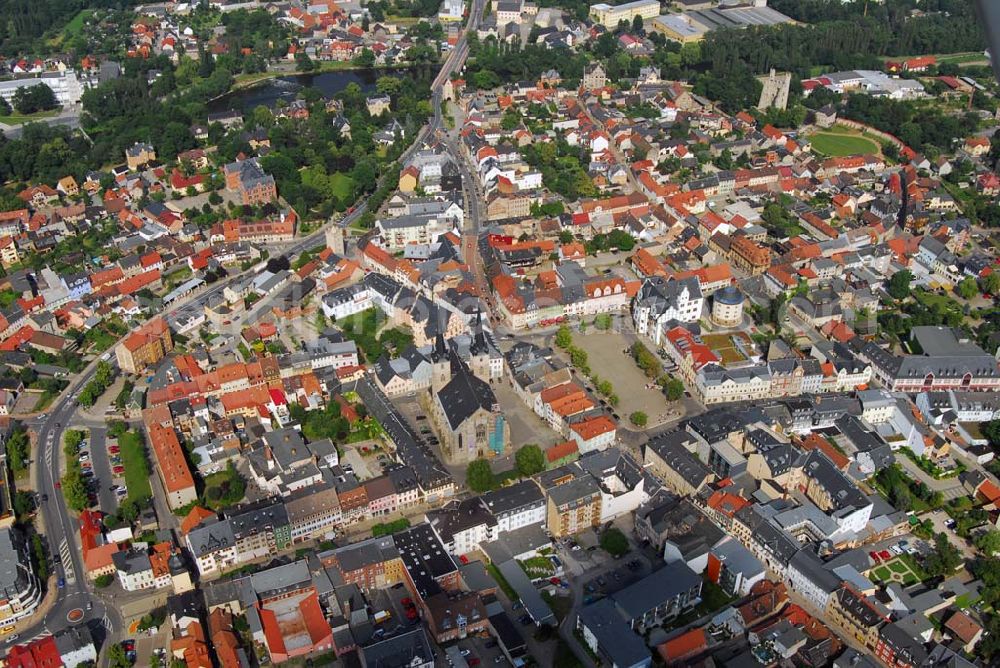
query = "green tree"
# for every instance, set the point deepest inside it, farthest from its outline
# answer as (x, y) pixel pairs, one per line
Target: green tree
(639, 419)
(479, 476)
(988, 542)
(967, 288)
(603, 322)
(387, 85)
(674, 389)
(73, 487)
(303, 63)
(991, 283)
(30, 99)
(991, 430)
(529, 460)
(18, 449)
(614, 542)
(510, 120)
(117, 657)
(899, 285)
(22, 503)
(564, 337)
(102, 581)
(944, 559)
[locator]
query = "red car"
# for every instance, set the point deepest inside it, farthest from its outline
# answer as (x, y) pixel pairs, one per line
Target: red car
(118, 470)
(473, 661)
(885, 555)
(555, 581)
(411, 614)
(874, 556)
(114, 449)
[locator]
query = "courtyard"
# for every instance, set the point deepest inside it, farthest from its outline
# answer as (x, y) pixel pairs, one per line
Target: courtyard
(902, 569)
(730, 348)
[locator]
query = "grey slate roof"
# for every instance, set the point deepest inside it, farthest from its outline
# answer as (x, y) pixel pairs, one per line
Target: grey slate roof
(465, 394)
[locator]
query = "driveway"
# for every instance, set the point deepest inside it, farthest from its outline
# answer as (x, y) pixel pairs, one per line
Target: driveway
(951, 488)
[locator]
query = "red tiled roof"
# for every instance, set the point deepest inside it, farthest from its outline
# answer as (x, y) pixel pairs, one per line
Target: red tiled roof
(561, 450)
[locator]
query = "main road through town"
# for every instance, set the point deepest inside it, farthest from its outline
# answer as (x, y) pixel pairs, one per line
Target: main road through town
(61, 527)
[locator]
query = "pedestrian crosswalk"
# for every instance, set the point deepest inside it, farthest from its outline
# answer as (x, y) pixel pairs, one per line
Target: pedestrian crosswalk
(66, 557)
(106, 623)
(44, 633)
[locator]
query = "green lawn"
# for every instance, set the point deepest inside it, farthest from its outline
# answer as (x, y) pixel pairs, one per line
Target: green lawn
(839, 144)
(538, 567)
(18, 119)
(133, 452)
(502, 581)
(561, 605)
(713, 597)
(902, 569)
(898, 567)
(343, 186)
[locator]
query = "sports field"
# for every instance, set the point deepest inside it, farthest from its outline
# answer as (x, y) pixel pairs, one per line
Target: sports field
(838, 144)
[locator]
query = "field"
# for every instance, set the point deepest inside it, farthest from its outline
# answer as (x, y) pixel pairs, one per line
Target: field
(841, 143)
(730, 348)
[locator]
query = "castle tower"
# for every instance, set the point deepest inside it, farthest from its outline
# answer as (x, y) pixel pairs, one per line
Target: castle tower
(335, 239)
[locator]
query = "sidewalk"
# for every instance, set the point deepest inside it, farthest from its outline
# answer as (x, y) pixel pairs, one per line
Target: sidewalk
(44, 608)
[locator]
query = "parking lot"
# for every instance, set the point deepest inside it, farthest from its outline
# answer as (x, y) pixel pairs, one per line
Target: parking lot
(103, 463)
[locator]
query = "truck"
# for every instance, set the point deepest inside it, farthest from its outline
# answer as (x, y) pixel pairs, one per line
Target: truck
(382, 616)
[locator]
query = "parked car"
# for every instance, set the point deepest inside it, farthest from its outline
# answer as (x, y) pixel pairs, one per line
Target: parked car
(118, 470)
